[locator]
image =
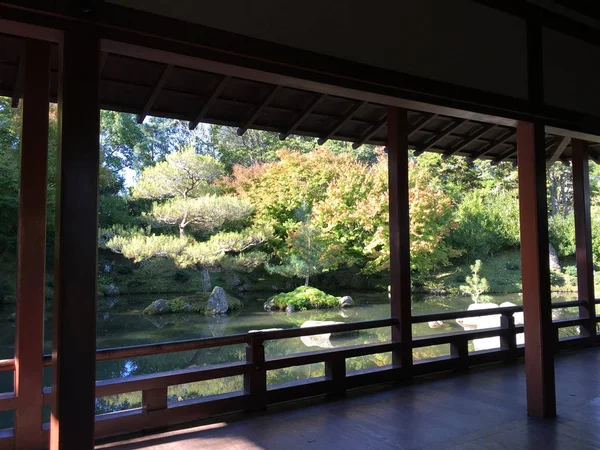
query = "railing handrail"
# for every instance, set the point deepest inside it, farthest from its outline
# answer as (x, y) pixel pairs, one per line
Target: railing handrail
(7, 365)
(423, 318)
(107, 354)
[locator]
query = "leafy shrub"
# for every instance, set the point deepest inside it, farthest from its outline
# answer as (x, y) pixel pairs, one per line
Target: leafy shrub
(571, 271)
(486, 223)
(512, 266)
(181, 276)
(561, 232)
(305, 297)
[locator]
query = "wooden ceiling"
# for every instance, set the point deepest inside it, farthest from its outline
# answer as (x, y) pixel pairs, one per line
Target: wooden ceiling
(148, 88)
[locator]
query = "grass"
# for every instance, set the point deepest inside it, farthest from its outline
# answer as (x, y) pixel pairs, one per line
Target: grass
(305, 297)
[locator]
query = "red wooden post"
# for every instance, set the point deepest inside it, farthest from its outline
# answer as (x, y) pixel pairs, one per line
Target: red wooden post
(535, 268)
(399, 236)
(31, 273)
(74, 344)
(583, 238)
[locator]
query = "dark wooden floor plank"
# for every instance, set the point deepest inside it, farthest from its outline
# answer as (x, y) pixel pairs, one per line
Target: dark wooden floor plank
(479, 410)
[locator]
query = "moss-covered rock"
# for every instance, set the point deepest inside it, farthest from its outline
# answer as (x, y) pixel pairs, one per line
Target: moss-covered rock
(199, 303)
(302, 298)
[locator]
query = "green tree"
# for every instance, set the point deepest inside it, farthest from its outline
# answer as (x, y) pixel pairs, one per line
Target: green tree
(475, 284)
(307, 253)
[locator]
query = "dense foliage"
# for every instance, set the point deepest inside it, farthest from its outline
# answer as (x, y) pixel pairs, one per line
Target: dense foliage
(212, 198)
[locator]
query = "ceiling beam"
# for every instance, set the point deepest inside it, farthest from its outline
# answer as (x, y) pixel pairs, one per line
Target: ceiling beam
(441, 136)
(493, 145)
(18, 86)
(342, 122)
(557, 153)
(155, 93)
(258, 111)
(211, 100)
(302, 117)
(470, 139)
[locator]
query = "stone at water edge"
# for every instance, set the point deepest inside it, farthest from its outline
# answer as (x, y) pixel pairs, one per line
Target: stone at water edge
(269, 304)
(323, 340)
(290, 309)
(217, 302)
(437, 324)
(345, 301)
(554, 262)
(160, 306)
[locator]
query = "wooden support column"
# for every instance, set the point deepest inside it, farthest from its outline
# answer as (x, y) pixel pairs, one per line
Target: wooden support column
(74, 343)
(399, 237)
(31, 272)
(535, 267)
(583, 238)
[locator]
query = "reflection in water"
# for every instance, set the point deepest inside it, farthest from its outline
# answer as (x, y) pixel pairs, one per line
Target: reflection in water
(120, 324)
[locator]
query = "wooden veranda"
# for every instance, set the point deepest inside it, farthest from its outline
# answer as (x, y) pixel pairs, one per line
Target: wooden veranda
(88, 55)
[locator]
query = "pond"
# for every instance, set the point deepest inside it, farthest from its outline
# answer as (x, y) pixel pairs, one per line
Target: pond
(120, 323)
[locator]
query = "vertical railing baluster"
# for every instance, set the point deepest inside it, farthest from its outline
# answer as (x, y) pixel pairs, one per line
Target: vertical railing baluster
(508, 338)
(335, 370)
(459, 349)
(154, 399)
(255, 378)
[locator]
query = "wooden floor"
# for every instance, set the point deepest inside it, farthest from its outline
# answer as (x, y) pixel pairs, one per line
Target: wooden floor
(482, 409)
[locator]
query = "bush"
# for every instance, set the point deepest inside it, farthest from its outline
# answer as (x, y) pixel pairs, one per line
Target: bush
(571, 271)
(305, 297)
(182, 276)
(561, 231)
(486, 224)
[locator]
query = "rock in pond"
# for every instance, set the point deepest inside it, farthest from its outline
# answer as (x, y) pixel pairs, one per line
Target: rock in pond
(345, 301)
(160, 306)
(491, 321)
(290, 309)
(269, 305)
(324, 340)
(217, 302)
(437, 324)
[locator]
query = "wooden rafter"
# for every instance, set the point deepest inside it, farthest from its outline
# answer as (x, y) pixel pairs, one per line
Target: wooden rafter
(558, 151)
(258, 111)
(211, 100)
(507, 154)
(18, 86)
(470, 139)
(302, 117)
(155, 93)
(373, 130)
(342, 122)
(493, 145)
(594, 155)
(423, 122)
(443, 135)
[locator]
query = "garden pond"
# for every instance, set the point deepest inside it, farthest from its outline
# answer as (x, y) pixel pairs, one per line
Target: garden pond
(120, 323)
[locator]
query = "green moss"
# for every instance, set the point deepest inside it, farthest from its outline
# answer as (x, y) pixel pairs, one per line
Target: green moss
(190, 304)
(305, 297)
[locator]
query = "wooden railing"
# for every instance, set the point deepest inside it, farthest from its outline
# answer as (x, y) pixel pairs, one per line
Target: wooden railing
(157, 412)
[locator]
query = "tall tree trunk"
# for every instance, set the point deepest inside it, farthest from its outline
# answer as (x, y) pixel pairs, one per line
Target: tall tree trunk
(206, 283)
(307, 279)
(181, 231)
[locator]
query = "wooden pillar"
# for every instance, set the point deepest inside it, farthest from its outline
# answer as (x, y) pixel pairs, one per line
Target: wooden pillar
(583, 238)
(31, 272)
(535, 268)
(400, 291)
(74, 344)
